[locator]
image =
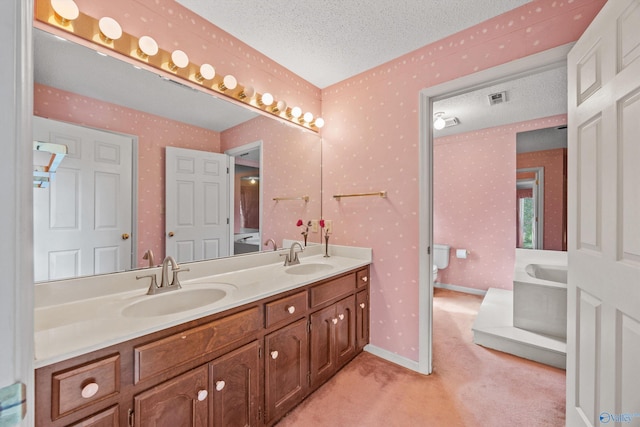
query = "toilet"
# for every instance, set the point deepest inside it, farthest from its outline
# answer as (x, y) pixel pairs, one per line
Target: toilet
(440, 258)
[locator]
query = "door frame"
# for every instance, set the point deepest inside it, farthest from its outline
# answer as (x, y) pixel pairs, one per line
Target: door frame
(532, 64)
(234, 152)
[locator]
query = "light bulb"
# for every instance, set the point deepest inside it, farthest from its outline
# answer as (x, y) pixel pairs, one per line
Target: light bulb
(266, 99)
(308, 117)
(280, 106)
(319, 122)
(147, 47)
(207, 72)
(296, 112)
(110, 30)
(439, 123)
(229, 82)
(179, 59)
(65, 10)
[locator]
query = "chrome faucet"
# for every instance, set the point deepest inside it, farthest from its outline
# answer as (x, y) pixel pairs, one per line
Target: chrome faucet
(148, 255)
(273, 242)
(165, 285)
(292, 256)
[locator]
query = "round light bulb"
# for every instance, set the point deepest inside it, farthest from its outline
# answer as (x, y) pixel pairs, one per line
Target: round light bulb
(147, 46)
(266, 99)
(248, 92)
(319, 122)
(65, 10)
(179, 59)
(207, 72)
(308, 117)
(229, 82)
(109, 29)
(439, 123)
(280, 106)
(296, 112)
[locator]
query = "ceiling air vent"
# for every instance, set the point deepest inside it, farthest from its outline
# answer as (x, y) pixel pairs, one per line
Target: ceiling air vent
(497, 98)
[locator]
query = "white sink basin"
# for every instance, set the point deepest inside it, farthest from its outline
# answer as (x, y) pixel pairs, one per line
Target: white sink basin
(173, 302)
(310, 268)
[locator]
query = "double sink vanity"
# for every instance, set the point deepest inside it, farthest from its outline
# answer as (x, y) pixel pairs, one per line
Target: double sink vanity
(242, 342)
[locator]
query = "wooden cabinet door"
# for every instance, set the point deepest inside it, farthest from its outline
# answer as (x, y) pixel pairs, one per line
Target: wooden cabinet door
(179, 402)
(322, 345)
(362, 319)
(107, 418)
(345, 331)
(235, 387)
(286, 368)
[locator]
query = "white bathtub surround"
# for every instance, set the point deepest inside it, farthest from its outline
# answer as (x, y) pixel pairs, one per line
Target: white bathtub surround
(540, 292)
(80, 315)
(531, 320)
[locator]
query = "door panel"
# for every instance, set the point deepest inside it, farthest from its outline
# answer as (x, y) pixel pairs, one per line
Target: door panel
(345, 330)
(79, 220)
(197, 204)
(603, 342)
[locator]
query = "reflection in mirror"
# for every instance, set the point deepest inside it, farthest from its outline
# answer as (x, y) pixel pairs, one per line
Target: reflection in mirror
(541, 189)
(74, 84)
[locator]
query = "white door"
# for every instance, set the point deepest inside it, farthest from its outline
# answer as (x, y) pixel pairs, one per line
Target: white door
(603, 342)
(197, 204)
(83, 220)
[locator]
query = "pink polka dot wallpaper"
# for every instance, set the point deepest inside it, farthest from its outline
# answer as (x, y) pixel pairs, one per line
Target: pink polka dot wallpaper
(371, 142)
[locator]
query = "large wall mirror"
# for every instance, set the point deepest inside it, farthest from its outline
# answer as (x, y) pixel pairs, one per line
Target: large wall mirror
(160, 128)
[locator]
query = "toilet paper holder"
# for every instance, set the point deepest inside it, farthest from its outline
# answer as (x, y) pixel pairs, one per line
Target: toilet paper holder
(462, 253)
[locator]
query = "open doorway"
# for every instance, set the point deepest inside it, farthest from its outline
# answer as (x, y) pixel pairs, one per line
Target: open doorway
(540, 62)
(246, 197)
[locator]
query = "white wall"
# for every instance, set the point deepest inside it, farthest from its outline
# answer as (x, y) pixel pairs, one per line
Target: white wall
(16, 285)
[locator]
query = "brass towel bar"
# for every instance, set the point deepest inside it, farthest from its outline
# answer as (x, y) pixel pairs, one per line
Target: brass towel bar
(305, 198)
(382, 194)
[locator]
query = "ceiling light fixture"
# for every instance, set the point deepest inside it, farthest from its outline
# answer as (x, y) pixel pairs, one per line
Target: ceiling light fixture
(440, 122)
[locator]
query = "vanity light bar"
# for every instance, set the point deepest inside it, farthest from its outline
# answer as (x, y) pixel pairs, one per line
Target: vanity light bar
(66, 16)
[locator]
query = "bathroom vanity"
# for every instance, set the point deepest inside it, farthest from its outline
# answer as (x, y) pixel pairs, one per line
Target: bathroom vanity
(246, 359)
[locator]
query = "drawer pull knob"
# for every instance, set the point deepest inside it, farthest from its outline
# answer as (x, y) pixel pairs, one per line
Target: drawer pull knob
(220, 385)
(334, 320)
(202, 394)
(341, 316)
(365, 279)
(90, 390)
(362, 305)
(274, 354)
(291, 309)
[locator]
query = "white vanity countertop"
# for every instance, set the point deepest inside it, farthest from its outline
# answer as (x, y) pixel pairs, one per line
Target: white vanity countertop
(78, 316)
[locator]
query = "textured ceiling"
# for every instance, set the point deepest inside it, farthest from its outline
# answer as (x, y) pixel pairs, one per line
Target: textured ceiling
(328, 41)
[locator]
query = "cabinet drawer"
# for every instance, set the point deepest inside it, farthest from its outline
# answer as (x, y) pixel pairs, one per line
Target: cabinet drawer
(333, 289)
(169, 352)
(106, 418)
(286, 308)
(83, 385)
(362, 278)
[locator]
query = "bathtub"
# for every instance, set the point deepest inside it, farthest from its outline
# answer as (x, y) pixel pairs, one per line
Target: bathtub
(540, 292)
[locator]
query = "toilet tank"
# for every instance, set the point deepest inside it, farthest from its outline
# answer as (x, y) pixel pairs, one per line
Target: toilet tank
(441, 256)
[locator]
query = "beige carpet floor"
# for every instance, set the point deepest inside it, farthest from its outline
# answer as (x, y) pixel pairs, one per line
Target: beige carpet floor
(470, 386)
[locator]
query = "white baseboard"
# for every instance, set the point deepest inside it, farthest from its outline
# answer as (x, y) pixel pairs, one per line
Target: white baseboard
(457, 288)
(392, 357)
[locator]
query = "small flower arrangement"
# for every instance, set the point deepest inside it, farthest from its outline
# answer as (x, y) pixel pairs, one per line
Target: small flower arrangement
(322, 225)
(305, 232)
(326, 237)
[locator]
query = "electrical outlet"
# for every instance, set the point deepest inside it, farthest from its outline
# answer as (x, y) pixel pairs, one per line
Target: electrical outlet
(314, 225)
(328, 225)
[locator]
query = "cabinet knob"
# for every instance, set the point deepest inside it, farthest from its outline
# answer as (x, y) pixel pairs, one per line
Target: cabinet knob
(291, 309)
(89, 390)
(334, 320)
(362, 305)
(341, 316)
(171, 234)
(202, 394)
(125, 236)
(365, 279)
(220, 385)
(274, 354)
